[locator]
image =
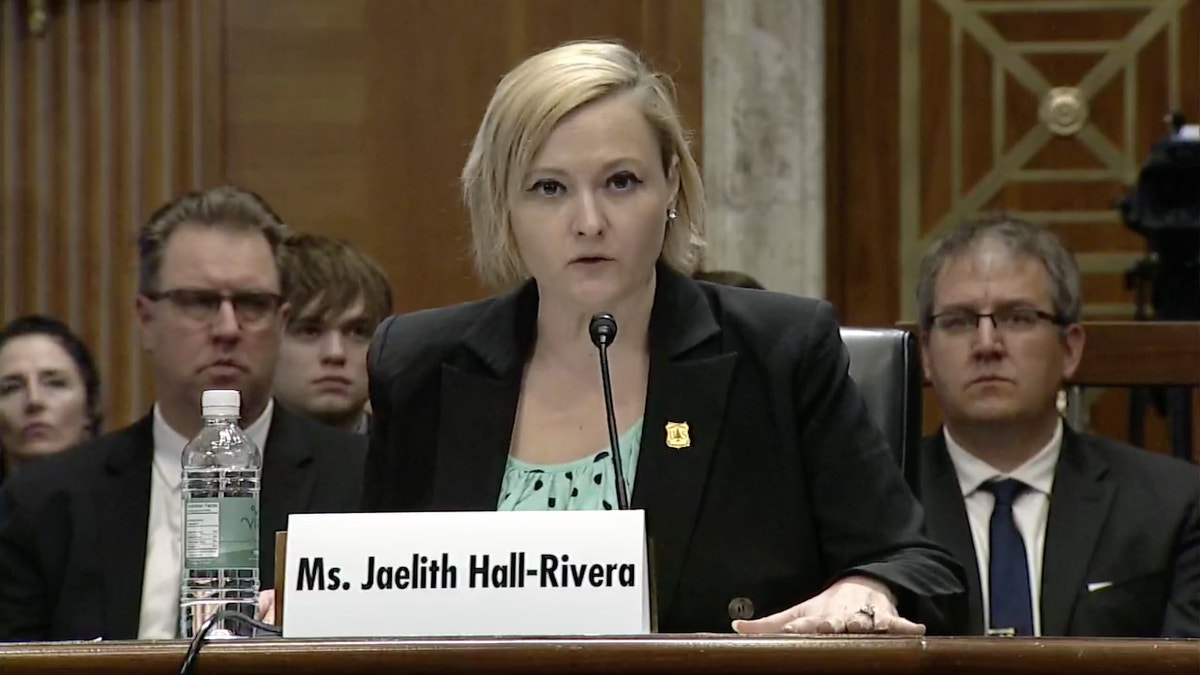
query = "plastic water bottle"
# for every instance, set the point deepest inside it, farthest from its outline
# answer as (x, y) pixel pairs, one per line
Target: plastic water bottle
(222, 469)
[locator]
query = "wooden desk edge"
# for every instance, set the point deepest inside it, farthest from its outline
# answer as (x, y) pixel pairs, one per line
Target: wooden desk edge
(663, 644)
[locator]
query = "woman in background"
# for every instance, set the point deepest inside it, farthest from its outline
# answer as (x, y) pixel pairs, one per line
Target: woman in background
(744, 439)
(49, 391)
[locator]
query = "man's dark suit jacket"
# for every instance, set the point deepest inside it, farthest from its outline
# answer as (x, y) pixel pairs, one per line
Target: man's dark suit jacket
(73, 526)
(786, 486)
(1118, 514)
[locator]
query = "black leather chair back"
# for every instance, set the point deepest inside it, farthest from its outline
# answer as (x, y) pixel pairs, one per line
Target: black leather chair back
(885, 366)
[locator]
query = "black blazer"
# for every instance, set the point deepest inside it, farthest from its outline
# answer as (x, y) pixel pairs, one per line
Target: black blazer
(73, 526)
(1118, 514)
(786, 487)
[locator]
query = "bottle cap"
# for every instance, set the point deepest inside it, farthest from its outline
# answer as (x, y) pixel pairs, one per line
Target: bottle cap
(221, 403)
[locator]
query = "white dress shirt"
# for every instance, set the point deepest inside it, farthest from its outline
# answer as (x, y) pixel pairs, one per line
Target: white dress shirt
(159, 617)
(1029, 512)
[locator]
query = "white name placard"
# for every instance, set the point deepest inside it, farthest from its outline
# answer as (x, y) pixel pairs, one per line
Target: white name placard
(466, 573)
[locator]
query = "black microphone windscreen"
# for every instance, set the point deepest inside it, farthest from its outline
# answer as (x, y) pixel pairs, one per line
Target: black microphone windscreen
(603, 329)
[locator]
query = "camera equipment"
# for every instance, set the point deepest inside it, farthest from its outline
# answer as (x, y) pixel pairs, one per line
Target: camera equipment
(1165, 209)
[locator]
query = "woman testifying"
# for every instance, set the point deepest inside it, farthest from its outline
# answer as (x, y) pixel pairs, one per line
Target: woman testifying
(742, 436)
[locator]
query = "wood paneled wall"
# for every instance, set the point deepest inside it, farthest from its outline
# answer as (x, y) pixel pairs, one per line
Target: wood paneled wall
(352, 117)
(100, 121)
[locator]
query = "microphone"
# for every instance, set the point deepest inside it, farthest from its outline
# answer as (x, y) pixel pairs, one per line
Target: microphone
(603, 330)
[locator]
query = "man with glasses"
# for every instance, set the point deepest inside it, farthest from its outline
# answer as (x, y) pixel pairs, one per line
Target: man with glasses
(90, 539)
(338, 297)
(1061, 532)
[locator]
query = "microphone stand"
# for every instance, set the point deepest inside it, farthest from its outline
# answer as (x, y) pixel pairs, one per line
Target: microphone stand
(603, 330)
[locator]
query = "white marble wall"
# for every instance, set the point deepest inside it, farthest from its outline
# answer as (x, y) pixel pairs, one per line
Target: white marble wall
(764, 140)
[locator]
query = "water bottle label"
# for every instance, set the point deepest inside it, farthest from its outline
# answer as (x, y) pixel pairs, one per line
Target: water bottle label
(220, 532)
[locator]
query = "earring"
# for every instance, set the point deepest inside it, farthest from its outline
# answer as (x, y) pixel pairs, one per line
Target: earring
(672, 214)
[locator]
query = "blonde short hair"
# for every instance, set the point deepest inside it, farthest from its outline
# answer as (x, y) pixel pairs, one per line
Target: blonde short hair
(525, 108)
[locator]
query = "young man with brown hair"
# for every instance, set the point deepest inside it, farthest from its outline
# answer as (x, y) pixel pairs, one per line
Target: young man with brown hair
(338, 296)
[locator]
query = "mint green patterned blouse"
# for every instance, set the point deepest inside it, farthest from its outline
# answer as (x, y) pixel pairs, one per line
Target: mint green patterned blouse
(582, 485)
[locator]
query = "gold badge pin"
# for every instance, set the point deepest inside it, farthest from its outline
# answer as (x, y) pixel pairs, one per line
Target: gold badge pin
(677, 435)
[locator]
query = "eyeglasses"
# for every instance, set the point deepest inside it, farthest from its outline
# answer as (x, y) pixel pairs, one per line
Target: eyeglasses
(252, 308)
(1014, 320)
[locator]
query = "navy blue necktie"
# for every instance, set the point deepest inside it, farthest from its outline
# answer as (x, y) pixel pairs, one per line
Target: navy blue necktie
(1008, 568)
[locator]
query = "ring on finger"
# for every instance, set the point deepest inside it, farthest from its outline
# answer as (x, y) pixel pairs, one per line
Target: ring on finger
(867, 610)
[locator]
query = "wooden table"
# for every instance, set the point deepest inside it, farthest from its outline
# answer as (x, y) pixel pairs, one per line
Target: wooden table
(1134, 353)
(691, 654)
